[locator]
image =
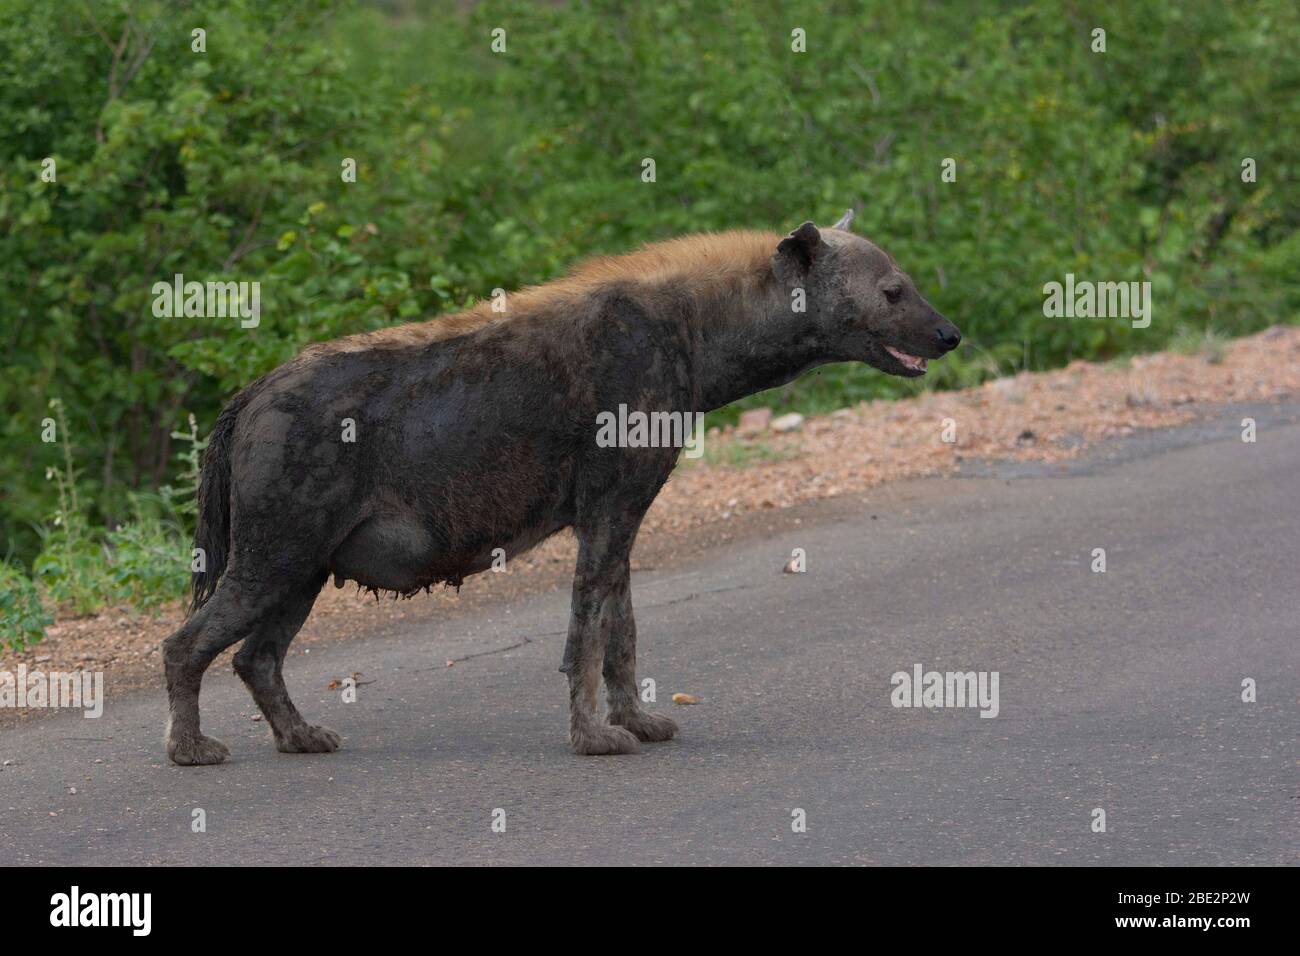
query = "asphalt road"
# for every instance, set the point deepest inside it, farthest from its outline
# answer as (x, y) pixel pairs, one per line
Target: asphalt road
(1118, 690)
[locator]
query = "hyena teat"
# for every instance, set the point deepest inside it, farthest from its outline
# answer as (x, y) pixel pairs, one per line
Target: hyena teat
(406, 457)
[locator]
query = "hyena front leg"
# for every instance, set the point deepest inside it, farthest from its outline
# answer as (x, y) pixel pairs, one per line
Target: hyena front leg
(602, 565)
(620, 672)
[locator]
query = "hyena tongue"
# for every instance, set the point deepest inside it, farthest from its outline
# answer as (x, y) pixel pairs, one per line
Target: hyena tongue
(911, 361)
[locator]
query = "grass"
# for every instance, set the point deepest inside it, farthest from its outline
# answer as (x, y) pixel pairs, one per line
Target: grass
(141, 563)
(1208, 343)
(741, 453)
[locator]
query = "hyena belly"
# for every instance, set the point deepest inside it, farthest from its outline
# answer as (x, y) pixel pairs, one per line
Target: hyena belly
(460, 469)
(404, 552)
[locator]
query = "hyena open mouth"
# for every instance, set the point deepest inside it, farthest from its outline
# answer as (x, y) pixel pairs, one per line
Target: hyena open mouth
(911, 362)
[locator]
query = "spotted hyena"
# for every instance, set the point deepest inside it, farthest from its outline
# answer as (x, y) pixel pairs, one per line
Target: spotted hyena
(477, 432)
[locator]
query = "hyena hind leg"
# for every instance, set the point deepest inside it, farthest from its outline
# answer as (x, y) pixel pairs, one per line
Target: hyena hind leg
(186, 656)
(260, 664)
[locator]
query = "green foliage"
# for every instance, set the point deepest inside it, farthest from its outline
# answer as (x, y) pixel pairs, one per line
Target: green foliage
(737, 454)
(170, 161)
(148, 558)
(71, 566)
(182, 500)
(22, 617)
(142, 562)
(477, 170)
(70, 561)
(1208, 343)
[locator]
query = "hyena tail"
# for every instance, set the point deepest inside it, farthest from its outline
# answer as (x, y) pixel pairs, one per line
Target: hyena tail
(212, 533)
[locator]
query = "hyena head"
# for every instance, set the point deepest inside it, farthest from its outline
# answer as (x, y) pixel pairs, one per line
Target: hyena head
(864, 307)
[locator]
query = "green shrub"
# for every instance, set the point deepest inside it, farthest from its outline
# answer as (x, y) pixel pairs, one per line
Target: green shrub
(148, 558)
(142, 562)
(22, 617)
(71, 561)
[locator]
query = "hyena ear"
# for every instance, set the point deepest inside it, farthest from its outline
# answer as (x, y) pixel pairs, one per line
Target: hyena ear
(846, 220)
(796, 253)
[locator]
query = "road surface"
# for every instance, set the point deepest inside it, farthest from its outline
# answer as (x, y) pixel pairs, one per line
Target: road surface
(1119, 691)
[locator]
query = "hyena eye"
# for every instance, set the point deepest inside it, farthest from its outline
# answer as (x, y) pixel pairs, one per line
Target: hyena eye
(893, 293)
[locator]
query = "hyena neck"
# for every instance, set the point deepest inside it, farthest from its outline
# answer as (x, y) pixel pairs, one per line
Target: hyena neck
(751, 339)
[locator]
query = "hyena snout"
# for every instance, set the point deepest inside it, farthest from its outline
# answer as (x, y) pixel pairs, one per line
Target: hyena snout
(929, 335)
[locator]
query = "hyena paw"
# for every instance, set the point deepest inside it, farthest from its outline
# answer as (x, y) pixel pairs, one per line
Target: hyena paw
(596, 739)
(194, 750)
(306, 739)
(651, 728)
